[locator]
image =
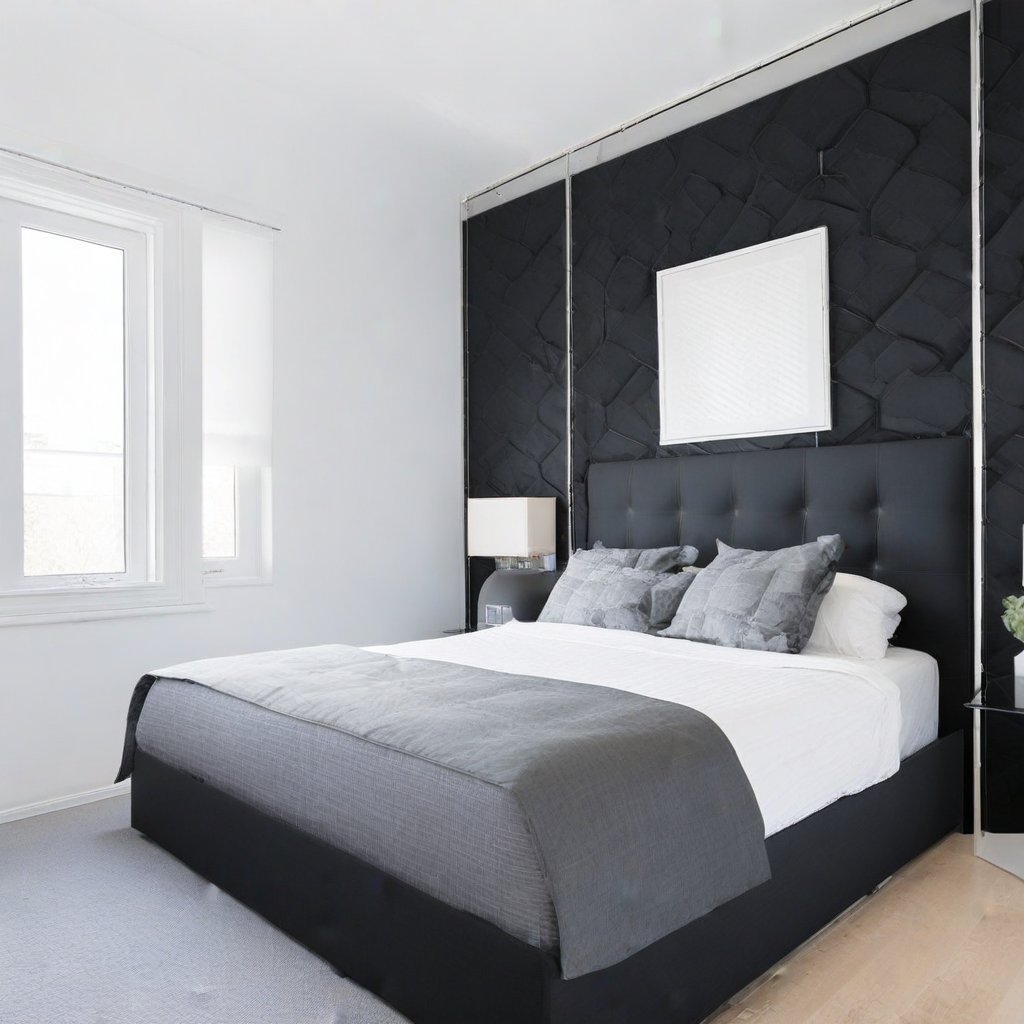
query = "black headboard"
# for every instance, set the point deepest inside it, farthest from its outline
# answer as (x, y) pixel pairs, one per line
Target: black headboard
(903, 508)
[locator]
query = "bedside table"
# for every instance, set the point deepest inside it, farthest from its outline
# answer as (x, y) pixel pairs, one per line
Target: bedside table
(518, 594)
(1004, 849)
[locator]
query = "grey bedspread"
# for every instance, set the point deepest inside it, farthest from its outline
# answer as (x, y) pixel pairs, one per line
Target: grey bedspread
(642, 817)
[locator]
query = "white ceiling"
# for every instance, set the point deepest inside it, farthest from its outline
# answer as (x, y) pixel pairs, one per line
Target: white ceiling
(520, 80)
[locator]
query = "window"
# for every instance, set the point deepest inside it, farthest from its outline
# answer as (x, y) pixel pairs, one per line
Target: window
(75, 341)
(97, 421)
(135, 398)
(238, 312)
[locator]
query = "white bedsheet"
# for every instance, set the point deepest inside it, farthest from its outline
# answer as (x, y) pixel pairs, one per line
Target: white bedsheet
(808, 729)
(916, 676)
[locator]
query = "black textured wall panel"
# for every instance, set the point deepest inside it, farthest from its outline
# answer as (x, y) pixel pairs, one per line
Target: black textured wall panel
(879, 151)
(1004, 393)
(516, 355)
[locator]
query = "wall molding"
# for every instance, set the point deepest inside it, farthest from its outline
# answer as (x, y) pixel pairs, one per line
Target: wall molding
(60, 803)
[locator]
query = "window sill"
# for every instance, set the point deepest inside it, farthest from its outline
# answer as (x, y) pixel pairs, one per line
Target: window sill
(42, 618)
(217, 580)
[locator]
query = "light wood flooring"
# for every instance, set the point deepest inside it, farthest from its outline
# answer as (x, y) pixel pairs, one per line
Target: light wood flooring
(941, 943)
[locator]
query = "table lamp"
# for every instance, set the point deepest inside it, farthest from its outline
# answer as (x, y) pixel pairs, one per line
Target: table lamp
(519, 534)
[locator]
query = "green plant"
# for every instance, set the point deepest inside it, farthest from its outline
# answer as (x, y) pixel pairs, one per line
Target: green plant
(1013, 615)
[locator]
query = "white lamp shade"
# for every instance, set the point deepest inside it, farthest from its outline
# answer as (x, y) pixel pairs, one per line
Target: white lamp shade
(510, 527)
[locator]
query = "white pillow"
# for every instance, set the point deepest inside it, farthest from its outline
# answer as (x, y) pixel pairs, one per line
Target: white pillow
(856, 619)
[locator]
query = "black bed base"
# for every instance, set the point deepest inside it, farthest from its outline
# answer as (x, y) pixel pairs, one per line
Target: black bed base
(438, 965)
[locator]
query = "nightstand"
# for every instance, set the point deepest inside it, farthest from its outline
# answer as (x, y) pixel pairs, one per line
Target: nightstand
(518, 594)
(1002, 707)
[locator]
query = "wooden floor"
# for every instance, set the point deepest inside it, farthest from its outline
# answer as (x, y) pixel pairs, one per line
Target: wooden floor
(942, 943)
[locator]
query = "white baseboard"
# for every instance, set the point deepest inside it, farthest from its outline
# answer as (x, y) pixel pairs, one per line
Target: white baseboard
(59, 803)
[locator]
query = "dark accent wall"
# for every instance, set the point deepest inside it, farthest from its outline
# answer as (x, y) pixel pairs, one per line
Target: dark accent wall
(879, 151)
(516, 432)
(1004, 393)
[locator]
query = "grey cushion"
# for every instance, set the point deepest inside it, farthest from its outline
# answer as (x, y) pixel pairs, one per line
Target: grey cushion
(598, 592)
(610, 596)
(666, 595)
(758, 600)
(653, 559)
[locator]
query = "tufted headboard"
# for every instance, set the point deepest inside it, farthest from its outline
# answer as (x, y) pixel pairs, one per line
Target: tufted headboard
(903, 508)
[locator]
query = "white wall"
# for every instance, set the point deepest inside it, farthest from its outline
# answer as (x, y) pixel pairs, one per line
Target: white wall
(367, 408)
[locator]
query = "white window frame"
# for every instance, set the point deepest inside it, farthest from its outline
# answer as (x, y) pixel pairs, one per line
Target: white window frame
(163, 437)
(137, 434)
(250, 565)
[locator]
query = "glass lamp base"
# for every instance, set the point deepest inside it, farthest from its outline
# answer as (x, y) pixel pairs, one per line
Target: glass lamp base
(542, 562)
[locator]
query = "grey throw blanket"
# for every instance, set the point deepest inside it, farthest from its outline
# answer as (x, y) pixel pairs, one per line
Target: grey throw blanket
(643, 817)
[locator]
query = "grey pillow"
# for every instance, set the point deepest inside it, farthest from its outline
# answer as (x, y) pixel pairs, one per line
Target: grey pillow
(758, 600)
(610, 596)
(614, 596)
(666, 595)
(653, 559)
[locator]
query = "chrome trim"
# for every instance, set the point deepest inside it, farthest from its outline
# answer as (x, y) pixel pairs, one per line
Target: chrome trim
(977, 374)
(569, 418)
(885, 24)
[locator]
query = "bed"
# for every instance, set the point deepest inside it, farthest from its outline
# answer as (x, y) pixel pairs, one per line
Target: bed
(467, 932)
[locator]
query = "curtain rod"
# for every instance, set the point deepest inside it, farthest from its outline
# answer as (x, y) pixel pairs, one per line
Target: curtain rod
(136, 188)
(696, 94)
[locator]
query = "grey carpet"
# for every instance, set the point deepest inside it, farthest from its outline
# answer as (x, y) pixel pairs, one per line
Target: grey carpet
(98, 925)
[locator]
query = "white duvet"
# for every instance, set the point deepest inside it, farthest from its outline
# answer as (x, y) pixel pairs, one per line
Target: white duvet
(807, 729)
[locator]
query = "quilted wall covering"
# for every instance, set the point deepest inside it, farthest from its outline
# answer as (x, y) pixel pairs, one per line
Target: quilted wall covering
(877, 150)
(516, 355)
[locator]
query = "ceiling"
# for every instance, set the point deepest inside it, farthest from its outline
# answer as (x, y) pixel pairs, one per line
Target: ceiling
(519, 81)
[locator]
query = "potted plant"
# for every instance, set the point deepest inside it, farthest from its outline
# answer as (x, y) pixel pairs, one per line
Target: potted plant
(1013, 620)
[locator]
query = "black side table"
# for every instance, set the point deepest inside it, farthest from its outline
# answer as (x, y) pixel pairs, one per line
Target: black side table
(1004, 849)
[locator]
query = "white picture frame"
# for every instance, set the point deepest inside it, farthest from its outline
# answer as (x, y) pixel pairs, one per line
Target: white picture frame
(743, 342)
